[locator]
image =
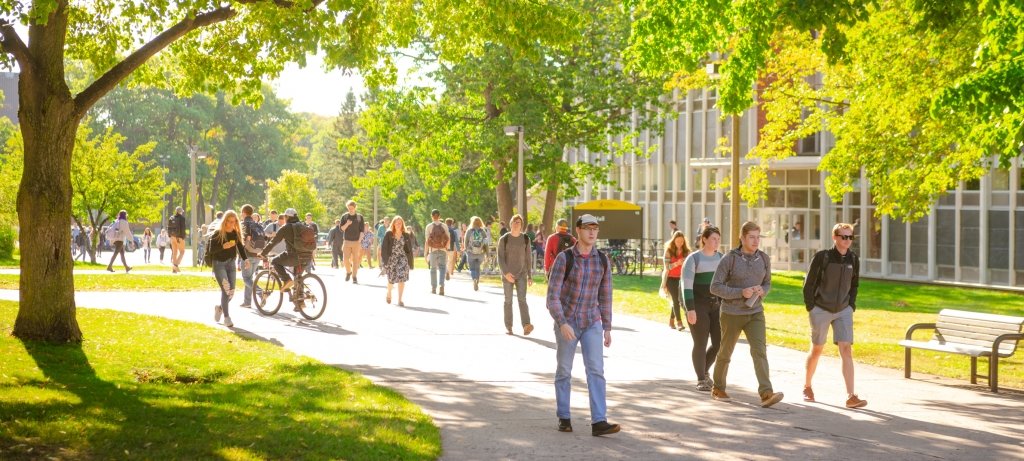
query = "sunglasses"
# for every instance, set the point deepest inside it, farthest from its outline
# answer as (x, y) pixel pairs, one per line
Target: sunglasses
(846, 237)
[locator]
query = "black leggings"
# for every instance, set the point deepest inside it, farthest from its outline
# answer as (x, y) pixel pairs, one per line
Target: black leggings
(707, 327)
(673, 289)
(118, 249)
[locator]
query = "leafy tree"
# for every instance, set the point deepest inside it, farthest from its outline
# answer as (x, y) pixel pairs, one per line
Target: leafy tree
(204, 45)
(294, 190)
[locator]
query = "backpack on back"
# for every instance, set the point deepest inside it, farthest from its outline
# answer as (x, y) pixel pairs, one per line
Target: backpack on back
(564, 242)
(477, 238)
(305, 239)
(111, 232)
(208, 245)
(257, 237)
(438, 236)
(570, 262)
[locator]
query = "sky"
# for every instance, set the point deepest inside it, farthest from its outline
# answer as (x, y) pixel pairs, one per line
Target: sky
(312, 89)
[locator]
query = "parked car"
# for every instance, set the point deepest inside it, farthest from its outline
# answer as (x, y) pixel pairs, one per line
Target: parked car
(321, 242)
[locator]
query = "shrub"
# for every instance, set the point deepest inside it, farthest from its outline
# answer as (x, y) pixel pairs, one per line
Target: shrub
(7, 236)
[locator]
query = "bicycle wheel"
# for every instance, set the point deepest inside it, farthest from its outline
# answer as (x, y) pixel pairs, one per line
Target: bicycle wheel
(266, 292)
(313, 297)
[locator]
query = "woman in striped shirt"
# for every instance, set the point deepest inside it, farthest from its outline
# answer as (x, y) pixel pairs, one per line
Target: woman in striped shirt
(702, 308)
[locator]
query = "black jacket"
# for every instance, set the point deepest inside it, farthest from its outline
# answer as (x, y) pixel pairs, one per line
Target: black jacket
(387, 247)
(286, 233)
(176, 226)
(832, 280)
(219, 253)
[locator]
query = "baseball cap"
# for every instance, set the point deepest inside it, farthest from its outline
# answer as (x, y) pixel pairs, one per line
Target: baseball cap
(291, 212)
(586, 219)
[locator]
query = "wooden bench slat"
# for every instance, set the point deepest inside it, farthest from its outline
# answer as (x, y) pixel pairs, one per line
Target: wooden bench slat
(998, 328)
(971, 338)
(997, 318)
(964, 349)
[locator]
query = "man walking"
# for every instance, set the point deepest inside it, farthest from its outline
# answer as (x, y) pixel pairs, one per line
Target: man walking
(742, 280)
(176, 226)
(579, 300)
(253, 241)
(454, 246)
(516, 271)
(830, 296)
(335, 237)
(382, 228)
(557, 243)
(435, 250)
(352, 225)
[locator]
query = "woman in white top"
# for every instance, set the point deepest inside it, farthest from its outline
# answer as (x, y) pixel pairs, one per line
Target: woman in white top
(121, 234)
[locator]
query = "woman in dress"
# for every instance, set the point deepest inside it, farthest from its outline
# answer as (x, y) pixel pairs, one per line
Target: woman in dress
(702, 308)
(396, 257)
(676, 250)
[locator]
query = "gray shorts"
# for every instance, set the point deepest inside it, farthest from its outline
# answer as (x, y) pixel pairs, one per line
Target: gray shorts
(841, 322)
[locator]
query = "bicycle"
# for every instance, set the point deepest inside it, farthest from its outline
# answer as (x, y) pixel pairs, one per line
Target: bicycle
(308, 294)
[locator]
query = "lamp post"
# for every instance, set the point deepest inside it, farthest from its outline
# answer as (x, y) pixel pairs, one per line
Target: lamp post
(512, 130)
(734, 202)
(164, 160)
(193, 154)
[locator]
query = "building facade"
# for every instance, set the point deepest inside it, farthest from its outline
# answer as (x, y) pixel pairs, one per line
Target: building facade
(969, 237)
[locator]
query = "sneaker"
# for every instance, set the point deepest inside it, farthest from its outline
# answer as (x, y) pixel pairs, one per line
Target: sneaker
(718, 394)
(110, 269)
(299, 306)
(527, 329)
(287, 285)
(603, 428)
(770, 398)
(228, 323)
(476, 285)
(127, 270)
(855, 402)
(433, 291)
(348, 276)
(217, 312)
(441, 291)
(808, 394)
(672, 323)
(354, 281)
(447, 276)
(564, 425)
(703, 385)
(508, 331)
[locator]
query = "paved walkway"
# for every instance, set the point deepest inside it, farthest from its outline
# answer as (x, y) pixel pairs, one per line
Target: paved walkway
(493, 398)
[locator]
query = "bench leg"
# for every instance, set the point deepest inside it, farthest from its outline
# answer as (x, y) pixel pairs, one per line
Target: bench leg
(974, 370)
(993, 373)
(906, 363)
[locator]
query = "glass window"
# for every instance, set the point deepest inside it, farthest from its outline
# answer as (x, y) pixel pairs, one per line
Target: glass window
(815, 198)
(1018, 257)
(797, 198)
(680, 145)
(974, 184)
(776, 198)
(945, 237)
(712, 133)
(998, 239)
(776, 178)
(919, 241)
(969, 238)
(874, 233)
(897, 240)
(797, 178)
(696, 142)
(1000, 179)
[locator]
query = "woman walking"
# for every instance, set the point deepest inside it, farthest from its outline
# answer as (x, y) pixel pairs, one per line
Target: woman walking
(702, 308)
(475, 245)
(225, 246)
(366, 246)
(396, 257)
(676, 250)
(147, 244)
(161, 243)
(120, 234)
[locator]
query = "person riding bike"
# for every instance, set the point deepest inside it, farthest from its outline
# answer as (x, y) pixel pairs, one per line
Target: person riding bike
(290, 257)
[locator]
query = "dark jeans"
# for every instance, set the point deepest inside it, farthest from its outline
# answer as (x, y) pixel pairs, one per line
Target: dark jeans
(707, 327)
(673, 289)
(336, 256)
(118, 249)
(282, 261)
(162, 253)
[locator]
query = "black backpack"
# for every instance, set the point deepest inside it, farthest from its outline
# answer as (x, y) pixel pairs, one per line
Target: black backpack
(564, 242)
(570, 261)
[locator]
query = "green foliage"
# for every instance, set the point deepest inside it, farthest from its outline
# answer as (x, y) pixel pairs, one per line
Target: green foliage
(154, 388)
(7, 238)
(294, 190)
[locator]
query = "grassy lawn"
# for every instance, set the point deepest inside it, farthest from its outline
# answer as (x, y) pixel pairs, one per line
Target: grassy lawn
(119, 281)
(150, 388)
(884, 311)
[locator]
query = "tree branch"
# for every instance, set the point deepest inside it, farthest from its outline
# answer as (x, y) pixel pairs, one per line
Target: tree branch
(14, 45)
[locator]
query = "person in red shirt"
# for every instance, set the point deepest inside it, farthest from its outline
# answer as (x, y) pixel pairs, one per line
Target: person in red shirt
(557, 242)
(676, 251)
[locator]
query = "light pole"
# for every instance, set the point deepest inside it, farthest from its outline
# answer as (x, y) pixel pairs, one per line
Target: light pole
(512, 130)
(734, 202)
(193, 154)
(164, 161)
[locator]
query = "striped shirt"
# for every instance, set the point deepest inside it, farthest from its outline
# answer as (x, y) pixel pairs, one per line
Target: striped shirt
(586, 296)
(698, 271)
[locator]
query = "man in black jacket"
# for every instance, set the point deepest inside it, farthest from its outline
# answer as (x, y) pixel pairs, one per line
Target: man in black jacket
(335, 239)
(830, 296)
(290, 257)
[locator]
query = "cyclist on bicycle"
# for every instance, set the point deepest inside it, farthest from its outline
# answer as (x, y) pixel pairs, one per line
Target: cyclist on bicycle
(290, 257)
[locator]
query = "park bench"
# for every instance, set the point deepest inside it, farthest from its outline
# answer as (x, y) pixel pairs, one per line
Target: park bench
(973, 334)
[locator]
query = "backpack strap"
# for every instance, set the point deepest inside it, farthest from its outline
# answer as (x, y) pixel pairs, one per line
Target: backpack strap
(570, 260)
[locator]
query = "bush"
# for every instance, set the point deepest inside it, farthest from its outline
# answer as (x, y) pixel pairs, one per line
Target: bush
(7, 237)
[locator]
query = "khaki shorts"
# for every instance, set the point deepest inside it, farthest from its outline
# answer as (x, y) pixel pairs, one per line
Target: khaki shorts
(841, 322)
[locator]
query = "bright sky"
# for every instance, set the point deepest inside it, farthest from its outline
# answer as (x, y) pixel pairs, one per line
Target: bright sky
(312, 89)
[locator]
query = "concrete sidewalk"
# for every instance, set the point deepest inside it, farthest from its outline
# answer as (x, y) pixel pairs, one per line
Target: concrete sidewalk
(492, 395)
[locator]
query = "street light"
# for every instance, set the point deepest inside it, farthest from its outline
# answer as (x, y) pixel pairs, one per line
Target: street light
(193, 154)
(512, 130)
(734, 202)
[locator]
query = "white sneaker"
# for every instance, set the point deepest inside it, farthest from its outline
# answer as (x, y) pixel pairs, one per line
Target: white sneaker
(227, 322)
(217, 312)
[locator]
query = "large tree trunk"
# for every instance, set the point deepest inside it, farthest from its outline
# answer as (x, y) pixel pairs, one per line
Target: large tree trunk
(550, 201)
(48, 125)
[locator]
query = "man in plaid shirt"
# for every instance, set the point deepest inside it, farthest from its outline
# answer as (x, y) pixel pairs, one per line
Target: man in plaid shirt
(580, 301)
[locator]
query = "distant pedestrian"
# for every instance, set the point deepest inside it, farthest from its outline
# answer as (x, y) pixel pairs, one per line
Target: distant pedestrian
(366, 246)
(177, 228)
(702, 307)
(475, 243)
(516, 272)
(558, 242)
(380, 230)
(119, 233)
(162, 241)
(579, 300)
(147, 244)
(415, 241)
(336, 240)
(454, 246)
(676, 251)
(742, 280)
(352, 225)
(396, 257)
(436, 251)
(254, 239)
(226, 245)
(83, 243)
(270, 221)
(830, 296)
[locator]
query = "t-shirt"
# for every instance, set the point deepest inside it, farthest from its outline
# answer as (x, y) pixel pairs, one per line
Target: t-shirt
(355, 230)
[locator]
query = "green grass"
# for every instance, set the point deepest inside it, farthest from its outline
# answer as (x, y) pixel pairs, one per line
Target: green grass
(151, 388)
(884, 311)
(120, 281)
(186, 266)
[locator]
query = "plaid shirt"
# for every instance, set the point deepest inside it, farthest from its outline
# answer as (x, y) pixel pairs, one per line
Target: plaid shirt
(586, 296)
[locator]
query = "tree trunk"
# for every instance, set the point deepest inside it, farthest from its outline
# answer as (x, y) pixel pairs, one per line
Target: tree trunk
(47, 291)
(550, 201)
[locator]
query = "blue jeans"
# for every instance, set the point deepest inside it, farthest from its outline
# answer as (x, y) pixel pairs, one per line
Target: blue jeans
(438, 266)
(592, 342)
(247, 279)
(224, 271)
(474, 265)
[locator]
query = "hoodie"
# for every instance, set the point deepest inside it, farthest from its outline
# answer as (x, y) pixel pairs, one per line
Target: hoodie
(737, 271)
